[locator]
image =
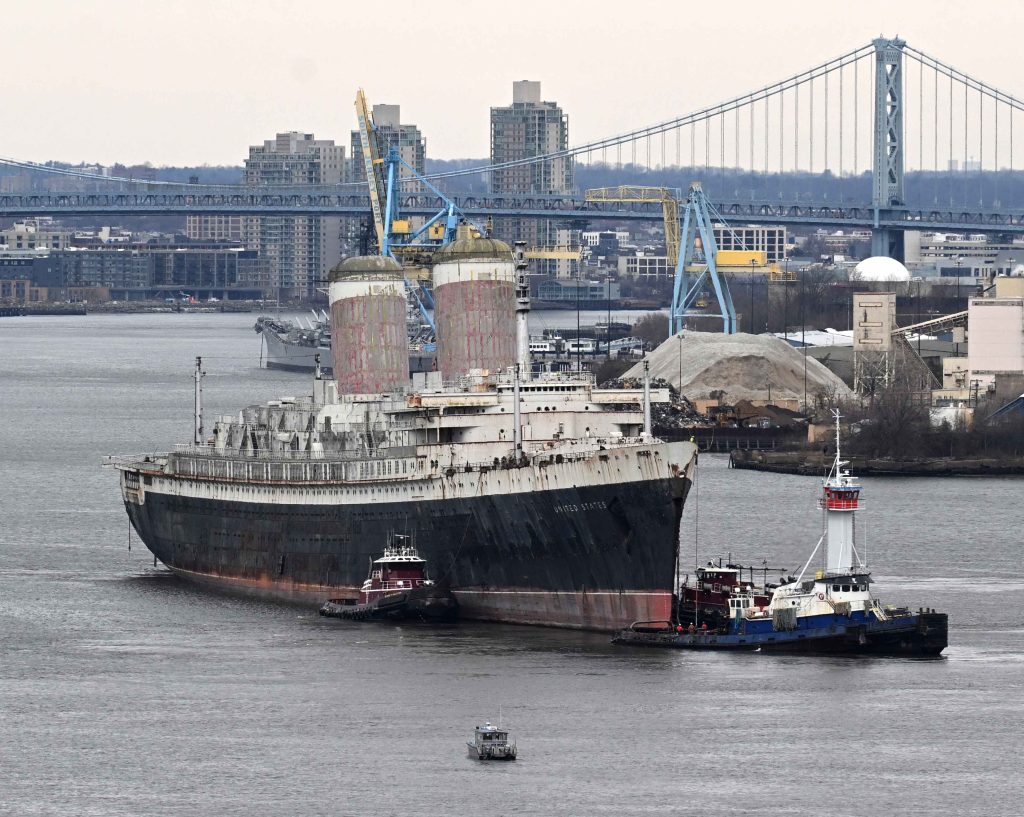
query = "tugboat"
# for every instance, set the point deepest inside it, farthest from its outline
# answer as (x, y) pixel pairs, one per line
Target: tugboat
(397, 588)
(834, 612)
(711, 596)
(491, 743)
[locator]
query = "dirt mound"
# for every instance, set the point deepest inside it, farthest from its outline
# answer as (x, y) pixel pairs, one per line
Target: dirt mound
(741, 366)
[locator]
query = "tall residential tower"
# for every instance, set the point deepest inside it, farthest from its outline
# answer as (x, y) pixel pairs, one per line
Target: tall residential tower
(412, 147)
(529, 127)
(298, 250)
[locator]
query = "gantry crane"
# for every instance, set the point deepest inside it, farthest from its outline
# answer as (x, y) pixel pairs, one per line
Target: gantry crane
(700, 255)
(702, 259)
(633, 194)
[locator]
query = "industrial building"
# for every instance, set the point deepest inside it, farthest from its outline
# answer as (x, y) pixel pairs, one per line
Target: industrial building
(36, 233)
(996, 334)
(771, 240)
(560, 291)
(134, 272)
(299, 250)
(959, 255)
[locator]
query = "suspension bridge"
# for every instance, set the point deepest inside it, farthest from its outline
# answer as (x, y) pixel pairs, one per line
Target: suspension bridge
(885, 109)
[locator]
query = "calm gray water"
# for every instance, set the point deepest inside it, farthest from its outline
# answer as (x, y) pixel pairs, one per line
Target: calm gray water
(124, 691)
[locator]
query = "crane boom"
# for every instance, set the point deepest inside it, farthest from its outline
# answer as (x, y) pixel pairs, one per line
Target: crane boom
(373, 163)
(638, 194)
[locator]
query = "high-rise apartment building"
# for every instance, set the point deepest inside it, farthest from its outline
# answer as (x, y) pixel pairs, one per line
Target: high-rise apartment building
(412, 147)
(213, 227)
(299, 250)
(529, 127)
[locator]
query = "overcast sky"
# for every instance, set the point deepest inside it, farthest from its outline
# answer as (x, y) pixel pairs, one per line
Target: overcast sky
(188, 83)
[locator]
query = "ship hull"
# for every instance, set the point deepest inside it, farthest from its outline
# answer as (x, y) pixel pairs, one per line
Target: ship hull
(921, 635)
(295, 357)
(592, 557)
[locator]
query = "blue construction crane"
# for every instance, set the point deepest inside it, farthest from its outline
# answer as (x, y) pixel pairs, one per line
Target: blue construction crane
(395, 235)
(699, 216)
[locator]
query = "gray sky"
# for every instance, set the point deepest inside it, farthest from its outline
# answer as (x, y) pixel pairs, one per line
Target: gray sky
(197, 82)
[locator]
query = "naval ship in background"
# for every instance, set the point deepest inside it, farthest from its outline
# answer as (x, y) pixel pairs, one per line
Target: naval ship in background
(294, 347)
(539, 499)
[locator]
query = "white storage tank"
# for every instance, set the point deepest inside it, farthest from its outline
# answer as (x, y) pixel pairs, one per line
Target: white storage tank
(475, 305)
(369, 347)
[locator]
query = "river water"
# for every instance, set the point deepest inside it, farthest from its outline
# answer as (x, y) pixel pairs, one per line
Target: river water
(125, 691)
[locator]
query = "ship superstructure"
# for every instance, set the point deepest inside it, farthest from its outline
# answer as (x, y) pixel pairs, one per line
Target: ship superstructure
(539, 500)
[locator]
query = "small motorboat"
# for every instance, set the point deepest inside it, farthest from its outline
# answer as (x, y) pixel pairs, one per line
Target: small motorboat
(397, 588)
(491, 743)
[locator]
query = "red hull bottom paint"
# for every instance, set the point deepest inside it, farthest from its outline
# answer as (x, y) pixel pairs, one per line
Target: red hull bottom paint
(585, 610)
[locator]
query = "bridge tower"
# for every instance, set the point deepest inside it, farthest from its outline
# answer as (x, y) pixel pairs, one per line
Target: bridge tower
(887, 190)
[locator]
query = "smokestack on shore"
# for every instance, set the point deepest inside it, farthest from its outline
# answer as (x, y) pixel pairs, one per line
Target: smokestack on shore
(475, 299)
(369, 348)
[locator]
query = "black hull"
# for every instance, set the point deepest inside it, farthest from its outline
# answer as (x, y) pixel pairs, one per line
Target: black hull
(594, 557)
(924, 635)
(417, 364)
(430, 605)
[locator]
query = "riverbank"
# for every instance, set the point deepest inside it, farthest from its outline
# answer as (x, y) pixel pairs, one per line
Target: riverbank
(20, 311)
(817, 463)
(129, 308)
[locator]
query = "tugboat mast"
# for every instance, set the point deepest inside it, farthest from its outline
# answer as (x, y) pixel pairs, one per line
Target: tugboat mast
(840, 501)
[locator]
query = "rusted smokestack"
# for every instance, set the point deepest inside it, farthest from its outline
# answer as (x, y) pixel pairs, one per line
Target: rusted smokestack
(475, 298)
(369, 348)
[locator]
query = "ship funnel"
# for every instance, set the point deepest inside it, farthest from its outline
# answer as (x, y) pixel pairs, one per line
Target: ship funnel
(369, 347)
(475, 300)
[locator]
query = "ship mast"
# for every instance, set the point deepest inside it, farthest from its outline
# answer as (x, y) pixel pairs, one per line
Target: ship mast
(199, 375)
(648, 426)
(517, 418)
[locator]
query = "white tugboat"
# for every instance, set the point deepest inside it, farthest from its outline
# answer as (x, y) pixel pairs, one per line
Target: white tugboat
(491, 743)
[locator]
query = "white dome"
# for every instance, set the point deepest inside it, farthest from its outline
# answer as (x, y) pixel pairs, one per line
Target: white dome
(880, 268)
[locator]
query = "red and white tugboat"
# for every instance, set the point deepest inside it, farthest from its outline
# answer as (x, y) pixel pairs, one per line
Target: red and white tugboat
(397, 588)
(716, 591)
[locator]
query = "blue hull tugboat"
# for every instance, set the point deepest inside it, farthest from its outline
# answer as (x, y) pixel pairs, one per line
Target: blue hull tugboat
(834, 612)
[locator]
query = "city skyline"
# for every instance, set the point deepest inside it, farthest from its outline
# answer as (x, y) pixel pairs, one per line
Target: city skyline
(146, 99)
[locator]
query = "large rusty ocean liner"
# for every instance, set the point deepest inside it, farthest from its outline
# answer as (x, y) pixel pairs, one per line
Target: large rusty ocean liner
(540, 499)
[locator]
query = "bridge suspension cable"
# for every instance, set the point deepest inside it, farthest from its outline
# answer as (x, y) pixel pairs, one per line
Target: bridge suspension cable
(702, 116)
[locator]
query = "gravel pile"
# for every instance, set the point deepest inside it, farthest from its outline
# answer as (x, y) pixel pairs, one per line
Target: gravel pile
(740, 366)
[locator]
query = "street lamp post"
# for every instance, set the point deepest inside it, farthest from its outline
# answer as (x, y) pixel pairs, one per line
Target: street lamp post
(785, 300)
(608, 327)
(959, 261)
(916, 318)
(803, 331)
(680, 386)
(753, 263)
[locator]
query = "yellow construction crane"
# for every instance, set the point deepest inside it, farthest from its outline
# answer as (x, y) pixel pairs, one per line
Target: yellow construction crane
(372, 163)
(556, 253)
(728, 260)
(632, 194)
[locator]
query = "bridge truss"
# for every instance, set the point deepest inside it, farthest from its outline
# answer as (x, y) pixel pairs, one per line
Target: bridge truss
(883, 108)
